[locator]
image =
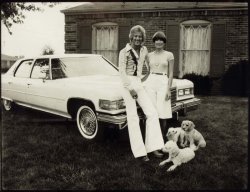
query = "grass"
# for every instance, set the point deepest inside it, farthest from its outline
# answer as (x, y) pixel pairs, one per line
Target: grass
(42, 151)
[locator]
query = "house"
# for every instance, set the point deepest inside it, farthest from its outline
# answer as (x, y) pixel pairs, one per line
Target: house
(7, 61)
(206, 38)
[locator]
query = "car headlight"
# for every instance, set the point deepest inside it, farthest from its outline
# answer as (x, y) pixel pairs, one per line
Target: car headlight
(186, 91)
(111, 105)
(180, 92)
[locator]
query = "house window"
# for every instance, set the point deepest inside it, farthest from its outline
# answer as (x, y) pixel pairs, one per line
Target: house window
(105, 40)
(195, 40)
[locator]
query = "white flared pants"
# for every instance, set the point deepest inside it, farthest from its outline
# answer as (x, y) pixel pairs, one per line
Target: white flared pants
(156, 87)
(153, 138)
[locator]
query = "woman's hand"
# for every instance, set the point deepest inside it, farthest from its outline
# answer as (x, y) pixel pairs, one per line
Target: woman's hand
(168, 95)
(133, 94)
(145, 77)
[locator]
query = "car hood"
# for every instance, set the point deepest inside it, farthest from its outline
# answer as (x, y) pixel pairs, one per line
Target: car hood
(107, 81)
(108, 86)
(182, 83)
(98, 80)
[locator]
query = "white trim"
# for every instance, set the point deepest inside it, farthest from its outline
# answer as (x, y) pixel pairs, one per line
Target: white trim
(45, 110)
(195, 22)
(157, 10)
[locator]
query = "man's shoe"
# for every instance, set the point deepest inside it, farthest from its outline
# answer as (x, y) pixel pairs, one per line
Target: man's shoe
(157, 154)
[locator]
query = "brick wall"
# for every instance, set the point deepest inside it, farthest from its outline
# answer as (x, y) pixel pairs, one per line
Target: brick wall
(236, 21)
(236, 27)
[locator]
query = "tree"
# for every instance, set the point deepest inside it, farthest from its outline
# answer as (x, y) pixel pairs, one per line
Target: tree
(12, 12)
(47, 50)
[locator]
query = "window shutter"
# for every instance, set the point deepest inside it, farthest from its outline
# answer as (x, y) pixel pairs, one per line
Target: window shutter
(217, 64)
(173, 43)
(85, 39)
(123, 36)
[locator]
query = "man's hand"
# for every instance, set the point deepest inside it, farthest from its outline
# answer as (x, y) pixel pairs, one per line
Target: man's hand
(133, 94)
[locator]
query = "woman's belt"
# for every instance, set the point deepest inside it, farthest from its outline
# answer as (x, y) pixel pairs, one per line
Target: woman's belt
(159, 73)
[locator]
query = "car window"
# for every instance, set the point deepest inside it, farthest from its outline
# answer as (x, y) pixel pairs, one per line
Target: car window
(39, 69)
(81, 66)
(57, 69)
(24, 69)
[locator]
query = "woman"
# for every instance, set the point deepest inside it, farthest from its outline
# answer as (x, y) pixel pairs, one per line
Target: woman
(160, 76)
(131, 60)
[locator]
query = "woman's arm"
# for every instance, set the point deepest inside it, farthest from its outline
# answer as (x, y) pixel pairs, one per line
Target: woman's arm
(170, 78)
(171, 70)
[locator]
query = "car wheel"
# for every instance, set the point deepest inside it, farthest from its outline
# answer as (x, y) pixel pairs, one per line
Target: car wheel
(87, 123)
(7, 104)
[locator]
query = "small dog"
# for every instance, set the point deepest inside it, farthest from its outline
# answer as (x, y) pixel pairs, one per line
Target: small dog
(176, 134)
(194, 137)
(176, 155)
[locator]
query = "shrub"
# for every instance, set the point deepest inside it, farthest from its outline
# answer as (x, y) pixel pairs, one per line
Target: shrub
(234, 81)
(202, 84)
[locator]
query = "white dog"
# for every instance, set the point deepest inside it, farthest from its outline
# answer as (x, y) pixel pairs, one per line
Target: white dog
(194, 137)
(176, 134)
(176, 155)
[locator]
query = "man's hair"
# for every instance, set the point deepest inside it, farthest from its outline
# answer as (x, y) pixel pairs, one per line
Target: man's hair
(159, 35)
(137, 28)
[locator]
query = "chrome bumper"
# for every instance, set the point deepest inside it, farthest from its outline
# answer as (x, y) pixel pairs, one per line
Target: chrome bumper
(114, 119)
(186, 105)
(121, 119)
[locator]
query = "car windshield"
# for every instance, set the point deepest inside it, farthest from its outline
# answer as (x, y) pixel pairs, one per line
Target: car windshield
(81, 66)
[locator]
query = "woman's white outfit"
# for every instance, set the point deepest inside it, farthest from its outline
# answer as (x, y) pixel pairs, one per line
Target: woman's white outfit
(156, 84)
(131, 78)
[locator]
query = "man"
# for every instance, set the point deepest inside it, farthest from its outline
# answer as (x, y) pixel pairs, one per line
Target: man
(131, 60)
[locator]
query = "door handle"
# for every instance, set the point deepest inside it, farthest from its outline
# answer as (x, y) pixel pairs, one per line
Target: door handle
(29, 84)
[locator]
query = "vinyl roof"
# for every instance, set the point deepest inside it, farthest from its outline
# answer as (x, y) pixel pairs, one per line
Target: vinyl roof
(107, 7)
(69, 55)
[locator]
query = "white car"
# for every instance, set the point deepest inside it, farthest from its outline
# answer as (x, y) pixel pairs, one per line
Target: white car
(85, 87)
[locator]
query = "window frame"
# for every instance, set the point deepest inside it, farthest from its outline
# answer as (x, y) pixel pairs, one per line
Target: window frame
(33, 65)
(194, 22)
(20, 63)
(94, 35)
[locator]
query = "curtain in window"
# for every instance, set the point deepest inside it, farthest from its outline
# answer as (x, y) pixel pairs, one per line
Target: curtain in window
(195, 52)
(107, 42)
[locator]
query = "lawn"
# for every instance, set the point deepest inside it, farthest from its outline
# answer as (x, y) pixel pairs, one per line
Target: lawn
(41, 151)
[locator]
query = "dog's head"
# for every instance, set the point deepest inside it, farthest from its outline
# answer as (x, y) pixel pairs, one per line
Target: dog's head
(171, 132)
(171, 148)
(187, 125)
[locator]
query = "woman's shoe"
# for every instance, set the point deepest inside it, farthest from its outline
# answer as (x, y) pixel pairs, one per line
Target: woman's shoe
(144, 158)
(157, 154)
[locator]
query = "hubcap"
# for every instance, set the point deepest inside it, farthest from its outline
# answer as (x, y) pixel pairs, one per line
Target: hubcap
(87, 121)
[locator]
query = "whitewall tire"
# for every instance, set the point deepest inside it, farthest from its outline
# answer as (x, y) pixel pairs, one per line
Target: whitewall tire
(7, 104)
(87, 123)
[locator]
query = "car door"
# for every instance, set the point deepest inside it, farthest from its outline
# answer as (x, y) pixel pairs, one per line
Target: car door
(17, 84)
(39, 86)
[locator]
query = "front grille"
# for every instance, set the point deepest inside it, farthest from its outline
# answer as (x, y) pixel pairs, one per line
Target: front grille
(173, 96)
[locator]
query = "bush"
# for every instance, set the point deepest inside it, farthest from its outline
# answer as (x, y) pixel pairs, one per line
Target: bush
(234, 81)
(202, 84)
